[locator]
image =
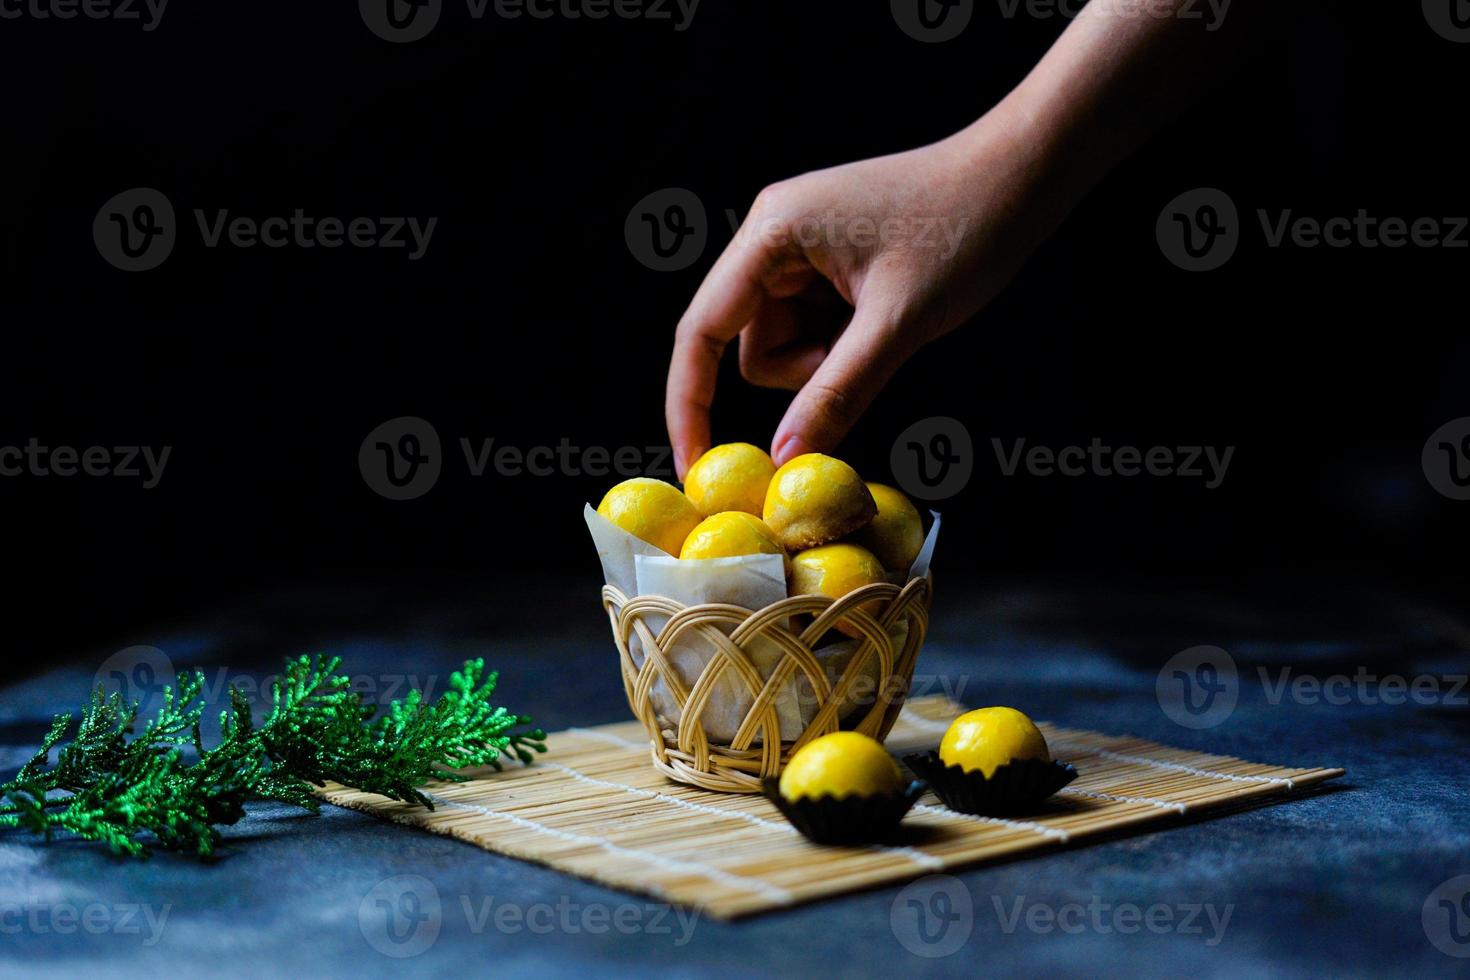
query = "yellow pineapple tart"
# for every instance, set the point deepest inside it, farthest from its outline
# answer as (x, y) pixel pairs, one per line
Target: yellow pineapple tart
(730, 477)
(816, 499)
(652, 510)
(730, 534)
(834, 570)
(897, 533)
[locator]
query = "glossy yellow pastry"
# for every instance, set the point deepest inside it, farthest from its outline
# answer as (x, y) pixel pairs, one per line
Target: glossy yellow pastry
(834, 570)
(987, 738)
(897, 533)
(652, 510)
(841, 764)
(814, 499)
(730, 534)
(730, 477)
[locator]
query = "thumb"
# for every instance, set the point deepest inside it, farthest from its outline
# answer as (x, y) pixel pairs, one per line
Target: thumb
(862, 361)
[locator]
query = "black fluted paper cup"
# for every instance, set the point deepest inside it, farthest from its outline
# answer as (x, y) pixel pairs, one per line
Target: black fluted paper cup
(1016, 788)
(848, 819)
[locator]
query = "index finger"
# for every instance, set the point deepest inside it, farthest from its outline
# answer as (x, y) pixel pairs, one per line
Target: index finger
(729, 298)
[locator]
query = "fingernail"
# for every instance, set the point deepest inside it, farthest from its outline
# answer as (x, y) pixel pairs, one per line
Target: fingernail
(682, 462)
(788, 448)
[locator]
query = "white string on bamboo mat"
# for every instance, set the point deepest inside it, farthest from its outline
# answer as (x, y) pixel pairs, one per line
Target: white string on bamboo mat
(1144, 760)
(1160, 804)
(917, 857)
(1113, 797)
(1054, 833)
(677, 865)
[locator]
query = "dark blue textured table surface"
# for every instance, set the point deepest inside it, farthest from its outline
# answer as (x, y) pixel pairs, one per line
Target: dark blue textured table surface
(1333, 882)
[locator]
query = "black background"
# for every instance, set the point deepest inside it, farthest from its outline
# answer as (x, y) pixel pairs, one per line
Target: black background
(529, 320)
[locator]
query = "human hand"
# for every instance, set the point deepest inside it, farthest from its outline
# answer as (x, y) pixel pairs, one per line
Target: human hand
(837, 277)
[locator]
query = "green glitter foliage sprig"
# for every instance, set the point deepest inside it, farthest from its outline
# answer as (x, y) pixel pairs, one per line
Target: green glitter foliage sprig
(164, 787)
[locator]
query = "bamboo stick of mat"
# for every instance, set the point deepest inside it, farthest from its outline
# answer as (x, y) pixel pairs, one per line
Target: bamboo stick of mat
(595, 807)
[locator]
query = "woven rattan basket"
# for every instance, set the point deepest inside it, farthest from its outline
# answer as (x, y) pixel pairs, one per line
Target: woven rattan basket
(686, 754)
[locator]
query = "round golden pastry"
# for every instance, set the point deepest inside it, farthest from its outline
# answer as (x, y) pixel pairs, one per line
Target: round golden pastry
(840, 764)
(985, 739)
(652, 510)
(897, 533)
(815, 499)
(730, 477)
(731, 534)
(834, 570)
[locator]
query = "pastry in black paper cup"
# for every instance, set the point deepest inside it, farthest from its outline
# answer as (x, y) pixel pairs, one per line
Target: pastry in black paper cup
(843, 788)
(854, 819)
(1015, 788)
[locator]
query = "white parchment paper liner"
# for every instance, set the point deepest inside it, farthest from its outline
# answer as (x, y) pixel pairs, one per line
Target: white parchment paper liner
(636, 568)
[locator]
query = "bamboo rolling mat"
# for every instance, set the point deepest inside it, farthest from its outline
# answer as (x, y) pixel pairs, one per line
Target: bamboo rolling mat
(595, 807)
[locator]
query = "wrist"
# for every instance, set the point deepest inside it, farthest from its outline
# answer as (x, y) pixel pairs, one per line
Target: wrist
(1042, 147)
(1020, 145)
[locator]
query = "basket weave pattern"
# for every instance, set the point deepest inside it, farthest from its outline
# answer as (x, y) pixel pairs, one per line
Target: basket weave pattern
(687, 754)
